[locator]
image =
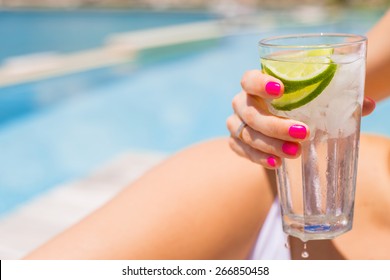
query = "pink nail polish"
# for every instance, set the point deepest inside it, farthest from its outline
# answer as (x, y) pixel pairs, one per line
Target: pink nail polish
(271, 161)
(297, 131)
(290, 148)
(272, 88)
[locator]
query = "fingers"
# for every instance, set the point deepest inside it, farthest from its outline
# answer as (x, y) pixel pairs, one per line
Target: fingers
(259, 147)
(267, 160)
(256, 83)
(265, 138)
(253, 111)
(368, 106)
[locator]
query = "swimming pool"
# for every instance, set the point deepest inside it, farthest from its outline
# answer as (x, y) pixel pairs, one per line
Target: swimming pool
(61, 128)
(32, 31)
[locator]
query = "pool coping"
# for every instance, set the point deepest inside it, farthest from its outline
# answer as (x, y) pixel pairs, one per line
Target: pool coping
(118, 49)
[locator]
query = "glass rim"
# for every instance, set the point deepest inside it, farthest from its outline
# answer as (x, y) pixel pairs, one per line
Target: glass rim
(357, 40)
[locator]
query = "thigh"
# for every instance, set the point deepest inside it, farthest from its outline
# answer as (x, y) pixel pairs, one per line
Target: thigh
(369, 237)
(202, 203)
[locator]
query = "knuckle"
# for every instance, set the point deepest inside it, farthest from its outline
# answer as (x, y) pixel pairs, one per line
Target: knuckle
(232, 144)
(236, 102)
(244, 79)
(250, 115)
(230, 123)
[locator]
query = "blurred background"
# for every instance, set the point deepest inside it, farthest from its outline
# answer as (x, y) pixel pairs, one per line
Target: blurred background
(189, 4)
(83, 82)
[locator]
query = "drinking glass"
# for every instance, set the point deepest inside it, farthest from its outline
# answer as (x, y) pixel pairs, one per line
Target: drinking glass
(323, 75)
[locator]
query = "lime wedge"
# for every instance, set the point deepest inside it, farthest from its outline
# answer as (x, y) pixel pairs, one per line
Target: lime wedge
(299, 69)
(305, 74)
(304, 95)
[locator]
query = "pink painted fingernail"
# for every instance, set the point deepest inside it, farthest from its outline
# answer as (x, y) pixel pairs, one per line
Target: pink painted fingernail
(290, 148)
(272, 88)
(271, 161)
(297, 131)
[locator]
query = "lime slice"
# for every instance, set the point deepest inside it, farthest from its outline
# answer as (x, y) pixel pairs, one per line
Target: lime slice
(304, 95)
(299, 69)
(305, 74)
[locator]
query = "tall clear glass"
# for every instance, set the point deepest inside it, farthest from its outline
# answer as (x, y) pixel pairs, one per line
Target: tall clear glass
(324, 78)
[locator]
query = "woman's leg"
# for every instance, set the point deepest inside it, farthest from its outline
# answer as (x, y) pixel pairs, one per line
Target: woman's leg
(206, 202)
(202, 203)
(370, 235)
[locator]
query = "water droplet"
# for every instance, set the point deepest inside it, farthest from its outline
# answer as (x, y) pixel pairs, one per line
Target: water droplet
(344, 222)
(305, 253)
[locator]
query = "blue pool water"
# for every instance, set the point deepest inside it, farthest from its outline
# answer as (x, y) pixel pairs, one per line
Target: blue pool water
(25, 32)
(60, 129)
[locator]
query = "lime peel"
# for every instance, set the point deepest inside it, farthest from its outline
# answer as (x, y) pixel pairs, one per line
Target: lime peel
(302, 96)
(294, 85)
(299, 69)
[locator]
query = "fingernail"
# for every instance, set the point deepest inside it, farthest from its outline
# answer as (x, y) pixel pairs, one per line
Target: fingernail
(271, 161)
(290, 148)
(297, 131)
(272, 88)
(371, 100)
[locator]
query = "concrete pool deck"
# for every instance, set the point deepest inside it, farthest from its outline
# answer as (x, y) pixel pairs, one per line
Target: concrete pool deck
(45, 216)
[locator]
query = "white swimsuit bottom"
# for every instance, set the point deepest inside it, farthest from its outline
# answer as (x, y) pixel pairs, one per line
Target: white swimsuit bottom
(270, 243)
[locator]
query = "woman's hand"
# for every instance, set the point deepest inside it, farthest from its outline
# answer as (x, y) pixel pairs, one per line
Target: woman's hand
(257, 134)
